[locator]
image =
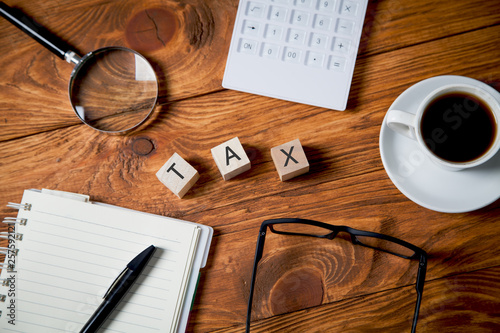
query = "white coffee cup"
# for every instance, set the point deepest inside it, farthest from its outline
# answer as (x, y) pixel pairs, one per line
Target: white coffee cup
(410, 125)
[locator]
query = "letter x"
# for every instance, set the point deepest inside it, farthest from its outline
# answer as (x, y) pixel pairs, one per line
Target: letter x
(289, 156)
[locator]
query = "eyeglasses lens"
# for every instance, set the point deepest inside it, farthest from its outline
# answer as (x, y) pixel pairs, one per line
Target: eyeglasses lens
(300, 229)
(385, 245)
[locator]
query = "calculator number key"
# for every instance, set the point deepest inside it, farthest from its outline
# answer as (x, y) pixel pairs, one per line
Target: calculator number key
(318, 40)
(326, 5)
(300, 18)
(270, 51)
(278, 14)
(322, 22)
(292, 55)
(304, 3)
(296, 36)
(274, 32)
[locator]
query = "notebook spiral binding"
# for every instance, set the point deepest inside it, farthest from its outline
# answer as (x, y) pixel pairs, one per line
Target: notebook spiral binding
(9, 235)
(18, 206)
(15, 220)
(6, 250)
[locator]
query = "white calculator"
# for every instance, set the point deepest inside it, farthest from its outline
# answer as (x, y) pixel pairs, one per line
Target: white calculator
(297, 50)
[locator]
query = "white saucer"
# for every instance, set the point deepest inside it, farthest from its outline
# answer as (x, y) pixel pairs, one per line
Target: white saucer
(420, 179)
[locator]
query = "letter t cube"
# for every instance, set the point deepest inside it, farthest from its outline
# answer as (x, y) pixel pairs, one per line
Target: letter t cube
(178, 175)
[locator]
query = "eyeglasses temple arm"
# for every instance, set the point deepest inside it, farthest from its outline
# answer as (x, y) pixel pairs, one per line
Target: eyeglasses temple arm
(422, 269)
(258, 255)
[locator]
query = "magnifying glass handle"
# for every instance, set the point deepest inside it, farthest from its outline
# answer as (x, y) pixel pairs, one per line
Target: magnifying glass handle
(36, 31)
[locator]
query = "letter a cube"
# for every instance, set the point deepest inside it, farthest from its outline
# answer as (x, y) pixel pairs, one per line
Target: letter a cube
(290, 160)
(231, 158)
(178, 175)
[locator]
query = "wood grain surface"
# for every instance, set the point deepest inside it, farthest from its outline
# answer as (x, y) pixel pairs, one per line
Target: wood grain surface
(327, 286)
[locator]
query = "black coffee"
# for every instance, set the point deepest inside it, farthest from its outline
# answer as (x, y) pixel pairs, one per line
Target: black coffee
(458, 127)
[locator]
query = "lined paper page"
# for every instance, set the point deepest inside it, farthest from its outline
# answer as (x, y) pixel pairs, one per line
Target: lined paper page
(72, 251)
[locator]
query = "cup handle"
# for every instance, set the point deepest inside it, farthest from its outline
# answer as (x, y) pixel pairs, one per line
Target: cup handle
(402, 122)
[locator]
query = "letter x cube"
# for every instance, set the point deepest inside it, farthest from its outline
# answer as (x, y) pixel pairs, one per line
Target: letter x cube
(290, 160)
(178, 175)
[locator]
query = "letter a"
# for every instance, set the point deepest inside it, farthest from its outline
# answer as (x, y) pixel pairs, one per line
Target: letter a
(233, 154)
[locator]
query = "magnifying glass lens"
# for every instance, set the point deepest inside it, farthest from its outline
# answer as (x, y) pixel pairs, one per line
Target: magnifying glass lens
(113, 89)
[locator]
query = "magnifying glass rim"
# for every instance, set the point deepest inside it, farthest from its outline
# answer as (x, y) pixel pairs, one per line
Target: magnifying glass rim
(81, 64)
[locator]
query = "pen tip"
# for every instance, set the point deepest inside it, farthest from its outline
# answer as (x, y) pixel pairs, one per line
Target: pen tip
(142, 258)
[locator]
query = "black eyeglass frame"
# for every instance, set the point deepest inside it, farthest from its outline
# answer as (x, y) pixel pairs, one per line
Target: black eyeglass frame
(419, 254)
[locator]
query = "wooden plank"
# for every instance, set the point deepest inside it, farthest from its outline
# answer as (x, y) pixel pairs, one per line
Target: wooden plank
(174, 37)
(462, 303)
(391, 25)
(339, 145)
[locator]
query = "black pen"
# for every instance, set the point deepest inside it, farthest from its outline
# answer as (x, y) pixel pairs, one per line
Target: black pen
(118, 289)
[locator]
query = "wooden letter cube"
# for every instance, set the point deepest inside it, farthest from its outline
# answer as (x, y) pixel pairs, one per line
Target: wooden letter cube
(290, 160)
(178, 175)
(231, 158)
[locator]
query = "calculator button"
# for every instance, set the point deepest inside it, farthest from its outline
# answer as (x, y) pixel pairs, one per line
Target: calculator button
(251, 28)
(303, 3)
(315, 59)
(341, 45)
(296, 36)
(281, 1)
(274, 32)
(345, 27)
(323, 22)
(247, 46)
(337, 64)
(326, 5)
(318, 40)
(255, 9)
(300, 18)
(349, 8)
(278, 14)
(292, 55)
(270, 51)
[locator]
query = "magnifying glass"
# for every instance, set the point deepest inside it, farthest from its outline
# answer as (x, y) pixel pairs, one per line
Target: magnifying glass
(112, 90)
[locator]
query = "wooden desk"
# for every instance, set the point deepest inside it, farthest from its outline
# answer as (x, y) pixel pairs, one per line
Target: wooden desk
(43, 145)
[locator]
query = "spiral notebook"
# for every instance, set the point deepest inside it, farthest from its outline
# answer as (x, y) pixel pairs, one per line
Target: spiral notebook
(64, 252)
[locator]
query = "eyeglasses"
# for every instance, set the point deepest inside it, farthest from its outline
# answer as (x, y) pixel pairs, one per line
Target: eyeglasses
(373, 240)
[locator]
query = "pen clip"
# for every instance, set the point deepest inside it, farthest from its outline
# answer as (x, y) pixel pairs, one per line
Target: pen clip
(115, 282)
